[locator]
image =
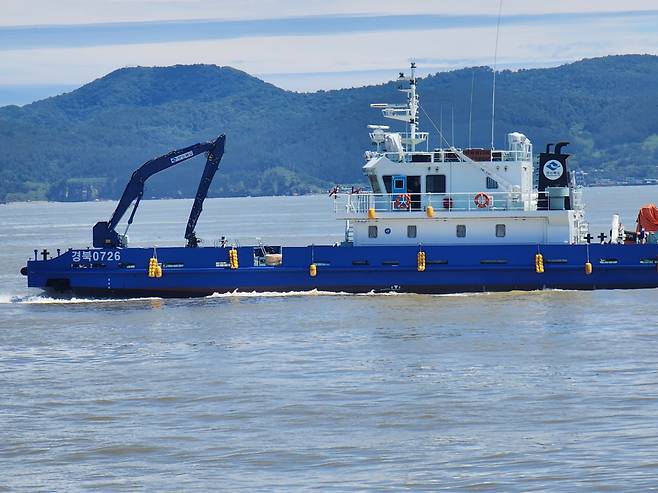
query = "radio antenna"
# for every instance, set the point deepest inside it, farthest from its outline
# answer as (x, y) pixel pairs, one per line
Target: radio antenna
(452, 109)
(493, 95)
(441, 124)
(470, 111)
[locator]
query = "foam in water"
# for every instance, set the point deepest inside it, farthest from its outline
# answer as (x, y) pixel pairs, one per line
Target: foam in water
(315, 292)
(47, 300)
(274, 294)
(6, 298)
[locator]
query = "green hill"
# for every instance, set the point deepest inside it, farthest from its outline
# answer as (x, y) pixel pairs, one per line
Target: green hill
(84, 144)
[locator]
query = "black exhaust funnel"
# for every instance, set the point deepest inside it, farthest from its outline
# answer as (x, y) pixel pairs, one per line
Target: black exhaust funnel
(553, 172)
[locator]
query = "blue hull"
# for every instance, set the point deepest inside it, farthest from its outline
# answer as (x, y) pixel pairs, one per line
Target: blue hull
(189, 272)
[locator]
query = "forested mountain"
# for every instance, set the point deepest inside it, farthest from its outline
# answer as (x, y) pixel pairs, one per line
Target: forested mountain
(85, 144)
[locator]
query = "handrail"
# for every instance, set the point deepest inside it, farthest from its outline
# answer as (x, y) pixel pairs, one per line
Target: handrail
(361, 203)
(384, 202)
(450, 155)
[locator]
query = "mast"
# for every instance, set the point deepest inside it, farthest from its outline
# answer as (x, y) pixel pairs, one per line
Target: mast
(407, 113)
(413, 106)
(495, 66)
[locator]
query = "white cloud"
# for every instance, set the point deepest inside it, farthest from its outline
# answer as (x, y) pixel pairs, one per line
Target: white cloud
(354, 54)
(37, 12)
(305, 62)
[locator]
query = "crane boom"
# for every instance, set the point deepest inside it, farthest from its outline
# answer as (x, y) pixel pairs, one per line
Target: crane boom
(105, 234)
(212, 163)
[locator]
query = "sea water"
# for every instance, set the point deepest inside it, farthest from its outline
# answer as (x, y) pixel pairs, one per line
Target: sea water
(538, 391)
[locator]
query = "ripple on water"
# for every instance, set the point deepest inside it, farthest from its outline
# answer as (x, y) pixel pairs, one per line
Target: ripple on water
(538, 391)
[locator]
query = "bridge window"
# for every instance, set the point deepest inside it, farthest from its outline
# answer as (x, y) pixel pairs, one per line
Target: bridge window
(411, 231)
(435, 184)
(387, 182)
(421, 158)
(372, 231)
(374, 183)
(500, 231)
(491, 183)
(461, 231)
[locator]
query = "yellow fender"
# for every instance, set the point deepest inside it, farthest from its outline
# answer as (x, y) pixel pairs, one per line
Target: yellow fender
(539, 263)
(233, 258)
(153, 267)
(420, 261)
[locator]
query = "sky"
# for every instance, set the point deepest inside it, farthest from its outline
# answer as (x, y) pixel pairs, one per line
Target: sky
(51, 46)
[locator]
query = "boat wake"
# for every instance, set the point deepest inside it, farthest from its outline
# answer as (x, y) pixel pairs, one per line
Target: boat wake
(316, 292)
(48, 300)
(275, 294)
(7, 299)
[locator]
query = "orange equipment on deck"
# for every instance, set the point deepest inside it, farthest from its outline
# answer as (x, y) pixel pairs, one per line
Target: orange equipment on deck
(648, 218)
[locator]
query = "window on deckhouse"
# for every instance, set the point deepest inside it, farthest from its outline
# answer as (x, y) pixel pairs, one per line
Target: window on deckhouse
(435, 183)
(374, 184)
(388, 179)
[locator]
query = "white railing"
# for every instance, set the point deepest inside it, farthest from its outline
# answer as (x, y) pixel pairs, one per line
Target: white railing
(412, 203)
(449, 155)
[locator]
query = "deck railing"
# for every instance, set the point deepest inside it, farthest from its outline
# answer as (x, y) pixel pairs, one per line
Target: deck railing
(361, 203)
(450, 156)
(389, 202)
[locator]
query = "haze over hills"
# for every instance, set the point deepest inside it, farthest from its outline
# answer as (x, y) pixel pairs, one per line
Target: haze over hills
(86, 143)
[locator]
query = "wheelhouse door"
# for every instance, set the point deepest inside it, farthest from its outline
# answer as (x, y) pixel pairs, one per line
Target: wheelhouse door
(399, 185)
(398, 192)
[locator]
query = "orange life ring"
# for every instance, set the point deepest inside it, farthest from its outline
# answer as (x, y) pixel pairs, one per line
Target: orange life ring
(402, 201)
(482, 200)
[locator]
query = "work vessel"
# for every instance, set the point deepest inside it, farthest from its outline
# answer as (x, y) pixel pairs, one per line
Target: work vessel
(434, 220)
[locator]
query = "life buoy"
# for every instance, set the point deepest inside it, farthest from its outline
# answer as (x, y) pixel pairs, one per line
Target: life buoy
(482, 200)
(402, 201)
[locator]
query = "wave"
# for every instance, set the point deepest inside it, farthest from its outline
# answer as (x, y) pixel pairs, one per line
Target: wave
(316, 292)
(47, 300)
(275, 294)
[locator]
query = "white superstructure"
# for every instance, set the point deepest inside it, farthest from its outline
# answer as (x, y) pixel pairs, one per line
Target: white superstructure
(458, 196)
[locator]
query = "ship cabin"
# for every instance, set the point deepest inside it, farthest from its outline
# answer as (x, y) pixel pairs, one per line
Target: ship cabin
(450, 195)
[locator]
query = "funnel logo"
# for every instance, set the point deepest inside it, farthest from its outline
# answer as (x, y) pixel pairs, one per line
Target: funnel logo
(553, 169)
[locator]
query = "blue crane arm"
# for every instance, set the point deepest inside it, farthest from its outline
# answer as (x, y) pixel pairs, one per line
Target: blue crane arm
(104, 233)
(212, 163)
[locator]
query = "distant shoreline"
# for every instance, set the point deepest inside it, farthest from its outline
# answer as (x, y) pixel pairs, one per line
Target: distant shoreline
(270, 196)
